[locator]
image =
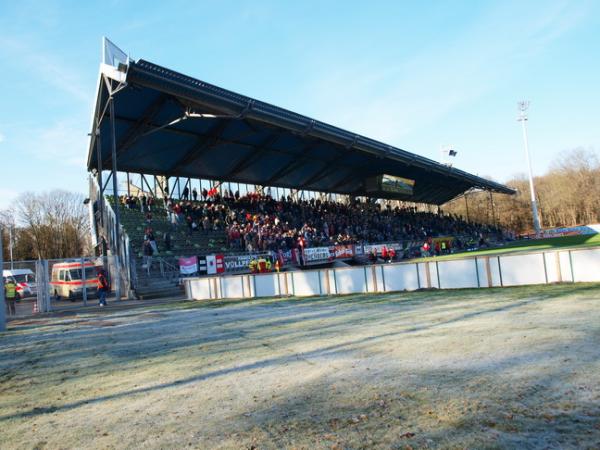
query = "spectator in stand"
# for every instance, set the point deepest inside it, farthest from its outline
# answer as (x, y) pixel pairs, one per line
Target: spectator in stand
(149, 236)
(143, 206)
(167, 240)
(185, 195)
(147, 252)
(204, 194)
(195, 194)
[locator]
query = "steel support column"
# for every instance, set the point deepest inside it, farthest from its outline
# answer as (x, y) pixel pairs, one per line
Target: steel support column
(117, 244)
(2, 299)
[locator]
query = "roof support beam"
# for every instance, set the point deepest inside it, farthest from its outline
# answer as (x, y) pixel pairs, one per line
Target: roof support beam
(142, 125)
(202, 145)
(343, 181)
(289, 168)
(254, 155)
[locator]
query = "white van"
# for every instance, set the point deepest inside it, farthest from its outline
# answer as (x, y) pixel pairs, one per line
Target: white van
(25, 281)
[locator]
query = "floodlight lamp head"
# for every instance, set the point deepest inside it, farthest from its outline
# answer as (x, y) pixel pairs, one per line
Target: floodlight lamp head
(522, 106)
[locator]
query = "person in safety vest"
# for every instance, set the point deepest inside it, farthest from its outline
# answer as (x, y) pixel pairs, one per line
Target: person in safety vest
(10, 295)
(268, 265)
(103, 287)
(253, 266)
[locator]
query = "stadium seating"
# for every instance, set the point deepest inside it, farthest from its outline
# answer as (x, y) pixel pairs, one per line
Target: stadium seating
(182, 243)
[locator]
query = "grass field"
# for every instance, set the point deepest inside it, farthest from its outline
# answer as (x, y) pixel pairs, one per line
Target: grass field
(558, 243)
(498, 368)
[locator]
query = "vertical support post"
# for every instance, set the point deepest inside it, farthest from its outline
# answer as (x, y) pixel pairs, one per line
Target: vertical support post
(2, 299)
(117, 243)
(47, 307)
(83, 282)
(320, 283)
(488, 270)
(100, 182)
(545, 268)
(571, 265)
(477, 273)
(500, 272)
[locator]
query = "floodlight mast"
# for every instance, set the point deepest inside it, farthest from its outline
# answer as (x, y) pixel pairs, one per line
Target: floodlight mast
(523, 106)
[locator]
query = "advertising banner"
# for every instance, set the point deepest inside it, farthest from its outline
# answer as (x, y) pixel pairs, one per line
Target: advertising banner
(341, 251)
(241, 263)
(211, 264)
(188, 266)
(379, 247)
(316, 255)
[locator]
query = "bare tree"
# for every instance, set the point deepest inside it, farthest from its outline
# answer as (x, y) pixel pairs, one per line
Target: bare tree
(568, 195)
(51, 225)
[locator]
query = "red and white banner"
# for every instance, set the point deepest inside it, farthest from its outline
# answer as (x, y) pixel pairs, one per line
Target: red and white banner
(341, 251)
(211, 264)
(188, 266)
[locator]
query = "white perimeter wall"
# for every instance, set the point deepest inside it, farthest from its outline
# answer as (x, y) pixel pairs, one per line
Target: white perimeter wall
(509, 270)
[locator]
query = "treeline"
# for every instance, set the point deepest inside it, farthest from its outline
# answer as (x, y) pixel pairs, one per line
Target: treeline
(567, 195)
(47, 226)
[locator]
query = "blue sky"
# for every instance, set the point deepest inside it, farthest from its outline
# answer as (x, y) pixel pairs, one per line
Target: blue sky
(416, 75)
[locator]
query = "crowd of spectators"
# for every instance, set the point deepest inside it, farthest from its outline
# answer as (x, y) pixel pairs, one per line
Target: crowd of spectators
(259, 222)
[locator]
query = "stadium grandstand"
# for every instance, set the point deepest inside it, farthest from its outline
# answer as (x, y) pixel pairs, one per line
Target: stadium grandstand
(219, 176)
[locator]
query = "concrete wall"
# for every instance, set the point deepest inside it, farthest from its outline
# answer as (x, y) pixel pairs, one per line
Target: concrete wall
(508, 270)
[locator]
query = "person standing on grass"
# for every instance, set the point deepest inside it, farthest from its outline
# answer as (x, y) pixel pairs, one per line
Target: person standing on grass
(103, 287)
(10, 295)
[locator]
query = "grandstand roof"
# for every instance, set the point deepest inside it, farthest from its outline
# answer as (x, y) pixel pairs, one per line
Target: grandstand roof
(170, 124)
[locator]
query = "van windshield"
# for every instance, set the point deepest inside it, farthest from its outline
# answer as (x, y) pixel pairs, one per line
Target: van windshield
(90, 273)
(23, 278)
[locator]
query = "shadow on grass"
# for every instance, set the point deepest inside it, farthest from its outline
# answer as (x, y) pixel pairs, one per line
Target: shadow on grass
(142, 341)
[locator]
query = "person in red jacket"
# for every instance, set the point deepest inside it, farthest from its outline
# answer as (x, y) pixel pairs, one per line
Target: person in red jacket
(384, 254)
(103, 287)
(392, 254)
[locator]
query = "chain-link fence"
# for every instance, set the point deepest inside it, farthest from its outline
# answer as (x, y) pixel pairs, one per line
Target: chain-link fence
(59, 284)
